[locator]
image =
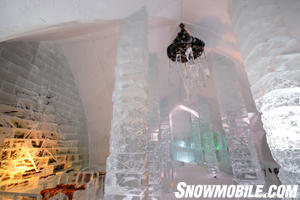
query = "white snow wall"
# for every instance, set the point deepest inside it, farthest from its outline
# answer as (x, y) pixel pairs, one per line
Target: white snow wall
(126, 165)
(272, 62)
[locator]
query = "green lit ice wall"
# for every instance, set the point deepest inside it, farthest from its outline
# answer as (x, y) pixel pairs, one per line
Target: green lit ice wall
(193, 149)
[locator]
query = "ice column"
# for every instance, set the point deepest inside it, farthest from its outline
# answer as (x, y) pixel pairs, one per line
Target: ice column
(196, 140)
(221, 144)
(245, 164)
(165, 144)
(224, 154)
(126, 164)
(272, 59)
(207, 138)
(153, 130)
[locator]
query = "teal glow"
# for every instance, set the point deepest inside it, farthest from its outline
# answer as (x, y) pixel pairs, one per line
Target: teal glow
(180, 143)
(186, 156)
(216, 141)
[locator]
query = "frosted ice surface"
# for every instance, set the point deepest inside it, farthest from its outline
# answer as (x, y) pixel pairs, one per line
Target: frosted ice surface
(280, 115)
(272, 60)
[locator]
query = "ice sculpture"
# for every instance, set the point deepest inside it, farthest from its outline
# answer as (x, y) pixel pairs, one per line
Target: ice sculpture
(126, 165)
(153, 148)
(271, 57)
(243, 156)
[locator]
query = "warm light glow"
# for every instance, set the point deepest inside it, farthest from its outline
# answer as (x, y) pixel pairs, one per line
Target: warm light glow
(21, 168)
(20, 163)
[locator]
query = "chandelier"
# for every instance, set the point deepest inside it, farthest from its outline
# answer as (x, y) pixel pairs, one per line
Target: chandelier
(184, 53)
(185, 48)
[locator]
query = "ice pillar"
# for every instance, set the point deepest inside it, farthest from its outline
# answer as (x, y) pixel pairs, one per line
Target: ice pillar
(224, 156)
(196, 140)
(245, 164)
(165, 144)
(220, 141)
(126, 165)
(207, 138)
(272, 59)
(153, 130)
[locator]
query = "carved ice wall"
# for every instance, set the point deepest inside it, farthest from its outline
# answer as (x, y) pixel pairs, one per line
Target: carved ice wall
(42, 122)
(245, 164)
(126, 165)
(272, 62)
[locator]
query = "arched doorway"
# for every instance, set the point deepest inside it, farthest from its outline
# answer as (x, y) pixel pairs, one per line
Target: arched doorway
(186, 144)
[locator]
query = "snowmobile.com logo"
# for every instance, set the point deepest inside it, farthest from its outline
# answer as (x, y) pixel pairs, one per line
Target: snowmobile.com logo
(235, 191)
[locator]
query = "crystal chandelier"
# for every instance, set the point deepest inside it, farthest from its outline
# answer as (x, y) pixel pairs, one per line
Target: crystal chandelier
(185, 52)
(185, 48)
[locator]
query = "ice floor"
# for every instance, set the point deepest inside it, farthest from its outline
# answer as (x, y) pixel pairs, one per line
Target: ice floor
(194, 174)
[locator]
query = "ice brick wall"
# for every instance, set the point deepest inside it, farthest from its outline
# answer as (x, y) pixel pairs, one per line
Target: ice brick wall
(126, 165)
(271, 57)
(41, 116)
